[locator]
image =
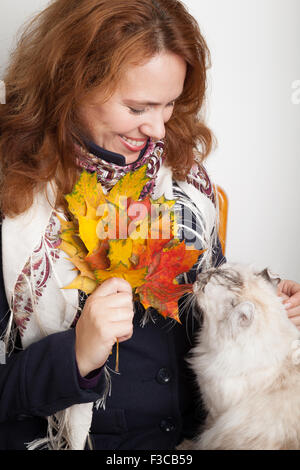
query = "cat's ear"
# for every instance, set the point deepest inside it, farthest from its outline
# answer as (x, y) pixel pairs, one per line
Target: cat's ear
(270, 277)
(243, 313)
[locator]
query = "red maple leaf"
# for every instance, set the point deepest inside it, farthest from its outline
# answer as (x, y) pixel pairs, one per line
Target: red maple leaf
(161, 290)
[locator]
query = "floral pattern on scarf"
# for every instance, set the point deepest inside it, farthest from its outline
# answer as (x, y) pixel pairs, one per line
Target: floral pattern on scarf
(35, 274)
(109, 173)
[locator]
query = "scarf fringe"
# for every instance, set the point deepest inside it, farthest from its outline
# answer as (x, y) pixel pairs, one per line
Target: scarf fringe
(9, 335)
(101, 403)
(205, 240)
(55, 439)
(58, 433)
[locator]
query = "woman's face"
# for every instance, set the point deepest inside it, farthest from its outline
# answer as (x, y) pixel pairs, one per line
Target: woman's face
(139, 108)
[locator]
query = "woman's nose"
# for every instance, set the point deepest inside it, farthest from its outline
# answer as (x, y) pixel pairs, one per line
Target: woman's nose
(154, 128)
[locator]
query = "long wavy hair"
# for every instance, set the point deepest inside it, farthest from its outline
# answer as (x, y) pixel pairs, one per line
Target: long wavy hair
(77, 47)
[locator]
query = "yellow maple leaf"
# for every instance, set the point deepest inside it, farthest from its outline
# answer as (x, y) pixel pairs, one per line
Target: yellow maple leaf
(72, 238)
(86, 194)
(135, 277)
(88, 233)
(107, 225)
(91, 212)
(65, 224)
(69, 249)
(120, 249)
(130, 186)
(139, 230)
(163, 223)
(83, 283)
(82, 266)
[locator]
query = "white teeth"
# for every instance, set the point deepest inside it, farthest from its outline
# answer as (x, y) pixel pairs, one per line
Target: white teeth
(134, 143)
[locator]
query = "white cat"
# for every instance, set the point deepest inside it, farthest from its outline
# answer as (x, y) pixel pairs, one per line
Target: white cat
(246, 361)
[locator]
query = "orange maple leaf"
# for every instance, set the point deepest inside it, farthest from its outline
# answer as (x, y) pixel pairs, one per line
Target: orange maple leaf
(99, 259)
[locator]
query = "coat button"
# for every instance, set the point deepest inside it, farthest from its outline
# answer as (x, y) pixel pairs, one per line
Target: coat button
(163, 376)
(167, 425)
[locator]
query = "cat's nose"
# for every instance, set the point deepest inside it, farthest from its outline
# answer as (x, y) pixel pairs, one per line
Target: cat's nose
(196, 287)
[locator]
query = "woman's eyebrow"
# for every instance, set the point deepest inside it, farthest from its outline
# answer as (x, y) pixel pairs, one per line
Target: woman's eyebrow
(148, 103)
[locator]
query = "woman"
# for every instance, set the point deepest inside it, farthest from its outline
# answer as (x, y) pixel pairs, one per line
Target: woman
(100, 85)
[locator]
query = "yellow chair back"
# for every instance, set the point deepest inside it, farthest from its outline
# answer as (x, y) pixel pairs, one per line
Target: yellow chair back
(223, 215)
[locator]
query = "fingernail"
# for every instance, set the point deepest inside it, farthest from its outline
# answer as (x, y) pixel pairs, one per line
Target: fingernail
(287, 306)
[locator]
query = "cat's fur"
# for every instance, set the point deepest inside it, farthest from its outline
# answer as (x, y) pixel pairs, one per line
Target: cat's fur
(246, 361)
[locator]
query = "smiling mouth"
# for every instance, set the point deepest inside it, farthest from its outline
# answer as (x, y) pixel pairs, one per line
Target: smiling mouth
(132, 144)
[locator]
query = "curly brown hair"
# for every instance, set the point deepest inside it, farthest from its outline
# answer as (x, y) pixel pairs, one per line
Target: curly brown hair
(71, 49)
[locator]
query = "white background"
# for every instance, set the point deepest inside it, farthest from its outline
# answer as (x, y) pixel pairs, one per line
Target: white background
(255, 48)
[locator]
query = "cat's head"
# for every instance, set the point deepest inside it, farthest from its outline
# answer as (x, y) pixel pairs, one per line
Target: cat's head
(237, 300)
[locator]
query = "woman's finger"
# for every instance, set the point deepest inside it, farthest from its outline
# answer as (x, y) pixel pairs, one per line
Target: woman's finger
(113, 286)
(295, 321)
(293, 312)
(293, 301)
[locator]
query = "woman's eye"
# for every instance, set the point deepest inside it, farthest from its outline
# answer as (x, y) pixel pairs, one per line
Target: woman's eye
(136, 111)
(141, 111)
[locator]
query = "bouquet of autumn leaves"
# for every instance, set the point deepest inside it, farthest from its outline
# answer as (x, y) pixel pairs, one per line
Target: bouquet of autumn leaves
(118, 235)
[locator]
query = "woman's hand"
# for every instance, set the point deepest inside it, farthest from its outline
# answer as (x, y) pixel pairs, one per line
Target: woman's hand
(290, 292)
(106, 317)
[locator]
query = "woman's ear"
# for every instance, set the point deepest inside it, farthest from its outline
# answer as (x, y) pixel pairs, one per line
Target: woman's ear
(243, 313)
